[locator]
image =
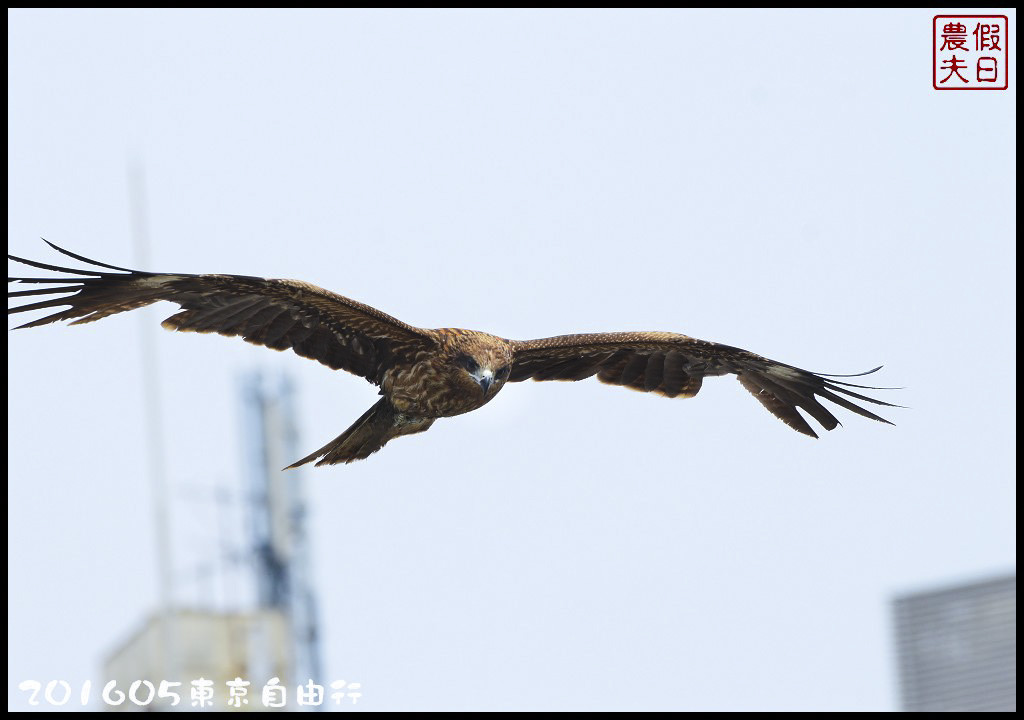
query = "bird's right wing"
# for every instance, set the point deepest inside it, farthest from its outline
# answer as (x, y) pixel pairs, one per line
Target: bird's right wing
(279, 314)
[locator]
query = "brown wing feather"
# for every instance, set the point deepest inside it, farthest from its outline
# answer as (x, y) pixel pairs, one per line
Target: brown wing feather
(280, 314)
(675, 366)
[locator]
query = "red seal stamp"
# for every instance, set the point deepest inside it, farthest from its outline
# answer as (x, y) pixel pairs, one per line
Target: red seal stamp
(969, 52)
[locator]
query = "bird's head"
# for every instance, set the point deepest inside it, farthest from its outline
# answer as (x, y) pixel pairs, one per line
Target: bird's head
(480, 363)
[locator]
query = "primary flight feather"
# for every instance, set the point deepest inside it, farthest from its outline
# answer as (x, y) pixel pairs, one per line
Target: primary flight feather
(425, 374)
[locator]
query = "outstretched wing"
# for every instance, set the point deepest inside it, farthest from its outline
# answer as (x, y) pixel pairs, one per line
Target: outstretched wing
(675, 366)
(280, 314)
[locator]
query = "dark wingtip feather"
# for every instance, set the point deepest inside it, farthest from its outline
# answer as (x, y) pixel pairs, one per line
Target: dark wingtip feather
(85, 259)
(830, 384)
(852, 407)
(46, 280)
(860, 374)
(43, 291)
(43, 320)
(54, 268)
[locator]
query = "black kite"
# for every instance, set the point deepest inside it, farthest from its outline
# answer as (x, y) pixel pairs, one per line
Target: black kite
(424, 374)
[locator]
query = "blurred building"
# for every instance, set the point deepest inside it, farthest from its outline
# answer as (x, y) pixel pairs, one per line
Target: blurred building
(230, 653)
(957, 647)
(217, 647)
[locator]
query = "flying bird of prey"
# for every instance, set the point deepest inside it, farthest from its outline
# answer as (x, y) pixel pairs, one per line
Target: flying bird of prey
(425, 374)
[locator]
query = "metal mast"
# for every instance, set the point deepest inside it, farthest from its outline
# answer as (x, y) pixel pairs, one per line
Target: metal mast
(279, 543)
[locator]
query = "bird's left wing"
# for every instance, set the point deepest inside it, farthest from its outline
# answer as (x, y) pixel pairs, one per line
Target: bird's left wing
(675, 365)
(280, 314)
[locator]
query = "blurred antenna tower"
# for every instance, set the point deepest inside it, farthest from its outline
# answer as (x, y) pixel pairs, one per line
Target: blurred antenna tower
(273, 632)
(277, 520)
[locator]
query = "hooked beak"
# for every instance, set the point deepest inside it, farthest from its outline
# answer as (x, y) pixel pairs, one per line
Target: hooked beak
(486, 379)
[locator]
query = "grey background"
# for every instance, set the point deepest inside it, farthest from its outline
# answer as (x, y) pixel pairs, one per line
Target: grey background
(788, 182)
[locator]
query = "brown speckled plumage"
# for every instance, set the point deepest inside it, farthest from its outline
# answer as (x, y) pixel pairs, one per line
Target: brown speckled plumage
(425, 374)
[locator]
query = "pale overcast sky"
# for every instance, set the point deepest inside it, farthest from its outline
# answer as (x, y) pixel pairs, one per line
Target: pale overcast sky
(788, 182)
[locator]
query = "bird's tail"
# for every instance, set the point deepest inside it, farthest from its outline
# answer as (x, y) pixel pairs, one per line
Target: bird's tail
(367, 435)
